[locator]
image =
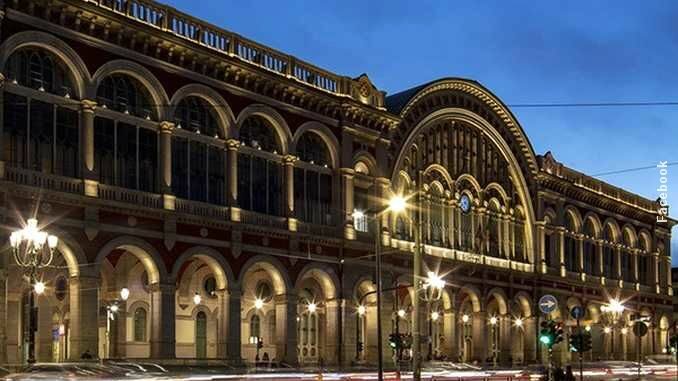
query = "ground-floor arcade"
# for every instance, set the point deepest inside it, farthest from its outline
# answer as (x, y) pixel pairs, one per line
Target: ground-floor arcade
(203, 305)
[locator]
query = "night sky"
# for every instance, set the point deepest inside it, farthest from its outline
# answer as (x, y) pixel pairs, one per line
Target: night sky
(523, 51)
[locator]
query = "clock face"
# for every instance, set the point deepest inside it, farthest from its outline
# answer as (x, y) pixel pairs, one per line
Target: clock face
(465, 203)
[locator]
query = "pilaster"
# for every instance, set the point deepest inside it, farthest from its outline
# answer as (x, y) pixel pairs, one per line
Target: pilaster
(89, 175)
(84, 316)
(163, 321)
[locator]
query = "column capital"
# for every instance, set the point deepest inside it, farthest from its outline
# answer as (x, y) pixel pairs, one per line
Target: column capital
(87, 105)
(347, 172)
(166, 127)
(232, 144)
(289, 159)
(383, 181)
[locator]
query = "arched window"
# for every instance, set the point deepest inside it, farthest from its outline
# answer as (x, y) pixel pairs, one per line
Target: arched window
(140, 324)
(201, 335)
(550, 246)
(39, 70)
(260, 176)
(608, 253)
(125, 145)
(39, 134)
(198, 157)
(645, 274)
(313, 180)
(493, 222)
(360, 209)
(590, 254)
(125, 94)
(627, 257)
(466, 231)
(436, 210)
(519, 238)
(255, 326)
(571, 263)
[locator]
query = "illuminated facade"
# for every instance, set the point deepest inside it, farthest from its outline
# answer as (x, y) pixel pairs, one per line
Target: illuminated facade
(228, 186)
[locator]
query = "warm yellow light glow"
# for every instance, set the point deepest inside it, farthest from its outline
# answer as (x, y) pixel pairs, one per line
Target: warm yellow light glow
(361, 310)
(114, 308)
(311, 307)
(464, 318)
(197, 299)
(614, 306)
(493, 320)
(434, 280)
(358, 214)
(401, 312)
(624, 331)
(607, 330)
(258, 303)
(518, 322)
(39, 287)
(588, 328)
(435, 315)
(397, 204)
(124, 293)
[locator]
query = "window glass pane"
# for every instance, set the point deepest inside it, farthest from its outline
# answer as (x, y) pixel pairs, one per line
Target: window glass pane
(41, 136)
(104, 149)
(216, 175)
(140, 324)
(257, 132)
(259, 185)
(299, 194)
(275, 180)
(148, 160)
(198, 170)
(325, 198)
(67, 143)
(244, 176)
(180, 167)
(313, 203)
(125, 94)
(39, 69)
(311, 148)
(14, 131)
(126, 151)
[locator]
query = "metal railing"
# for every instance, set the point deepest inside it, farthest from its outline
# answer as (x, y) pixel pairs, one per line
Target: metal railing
(182, 25)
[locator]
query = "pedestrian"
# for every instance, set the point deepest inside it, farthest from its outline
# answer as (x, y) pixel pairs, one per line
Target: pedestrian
(86, 355)
(568, 373)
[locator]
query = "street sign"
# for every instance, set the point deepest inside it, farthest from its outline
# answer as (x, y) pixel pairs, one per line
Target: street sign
(548, 303)
(577, 312)
(640, 329)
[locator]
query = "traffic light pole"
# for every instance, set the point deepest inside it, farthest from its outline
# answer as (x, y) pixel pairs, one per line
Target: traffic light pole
(581, 352)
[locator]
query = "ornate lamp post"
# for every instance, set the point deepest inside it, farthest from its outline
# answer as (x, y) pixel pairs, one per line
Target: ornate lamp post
(33, 250)
(433, 287)
(112, 309)
(614, 310)
(493, 324)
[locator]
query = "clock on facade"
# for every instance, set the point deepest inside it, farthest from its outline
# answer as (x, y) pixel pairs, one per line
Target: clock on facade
(465, 203)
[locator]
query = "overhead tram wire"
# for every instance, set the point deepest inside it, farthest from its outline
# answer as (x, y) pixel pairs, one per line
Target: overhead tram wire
(631, 169)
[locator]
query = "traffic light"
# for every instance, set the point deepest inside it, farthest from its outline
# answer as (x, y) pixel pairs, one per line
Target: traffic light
(673, 344)
(393, 340)
(586, 343)
(558, 333)
(576, 342)
(551, 333)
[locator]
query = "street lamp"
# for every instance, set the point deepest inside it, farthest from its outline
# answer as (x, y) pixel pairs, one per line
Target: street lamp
(518, 322)
(433, 288)
(197, 299)
(258, 303)
(124, 294)
(613, 309)
(31, 253)
(493, 323)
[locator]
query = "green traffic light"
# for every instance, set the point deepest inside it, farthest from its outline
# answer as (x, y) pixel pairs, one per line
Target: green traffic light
(545, 339)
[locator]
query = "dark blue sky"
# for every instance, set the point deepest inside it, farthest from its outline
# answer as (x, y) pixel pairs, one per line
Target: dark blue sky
(523, 51)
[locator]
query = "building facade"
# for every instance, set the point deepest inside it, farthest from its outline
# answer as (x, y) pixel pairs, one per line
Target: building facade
(230, 188)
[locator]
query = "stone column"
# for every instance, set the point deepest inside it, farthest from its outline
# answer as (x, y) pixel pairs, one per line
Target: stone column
(286, 328)
(2, 162)
(561, 251)
(3, 306)
(505, 339)
(580, 256)
(43, 335)
(347, 175)
(541, 260)
(450, 334)
(599, 254)
(234, 318)
(332, 347)
(480, 330)
(89, 174)
(288, 170)
(383, 194)
(163, 343)
(119, 327)
(529, 344)
(84, 316)
(232, 147)
(166, 129)
(655, 271)
(669, 284)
